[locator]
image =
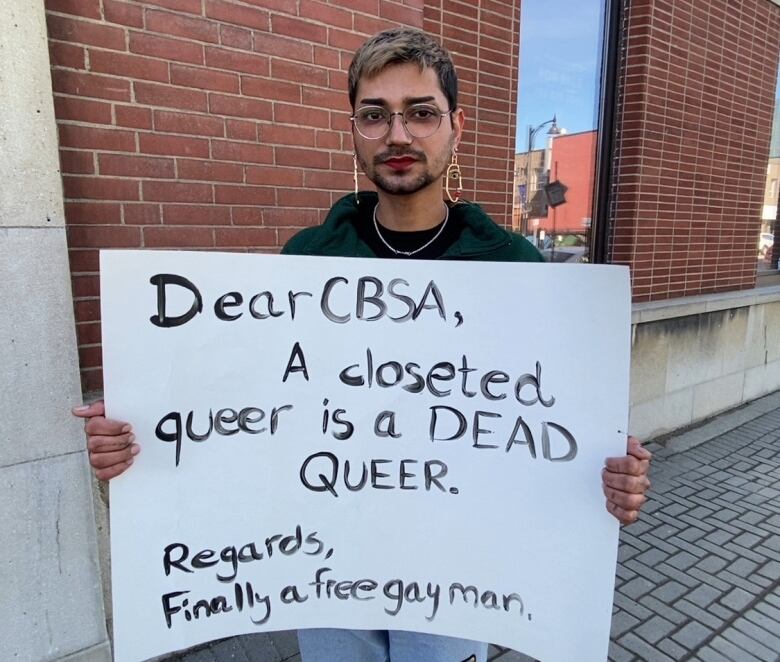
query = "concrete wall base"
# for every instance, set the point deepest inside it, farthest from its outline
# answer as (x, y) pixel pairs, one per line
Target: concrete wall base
(696, 357)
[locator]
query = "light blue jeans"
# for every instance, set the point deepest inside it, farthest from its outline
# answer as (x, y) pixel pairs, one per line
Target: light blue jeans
(331, 645)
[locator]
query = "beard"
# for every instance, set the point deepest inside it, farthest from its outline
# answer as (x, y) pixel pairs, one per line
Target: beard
(402, 183)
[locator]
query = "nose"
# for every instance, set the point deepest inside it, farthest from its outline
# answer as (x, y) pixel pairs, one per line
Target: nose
(398, 133)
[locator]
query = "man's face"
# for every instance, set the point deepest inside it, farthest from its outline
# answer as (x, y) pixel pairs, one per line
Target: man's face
(399, 163)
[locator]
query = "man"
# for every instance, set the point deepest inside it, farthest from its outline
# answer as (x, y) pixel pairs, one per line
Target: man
(406, 127)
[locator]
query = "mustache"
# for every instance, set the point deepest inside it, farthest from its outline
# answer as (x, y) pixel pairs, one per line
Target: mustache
(399, 153)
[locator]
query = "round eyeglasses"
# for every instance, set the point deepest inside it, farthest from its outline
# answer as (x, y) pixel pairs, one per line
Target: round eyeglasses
(420, 120)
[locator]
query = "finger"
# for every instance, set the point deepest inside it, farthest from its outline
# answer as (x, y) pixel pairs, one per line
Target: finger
(106, 460)
(88, 411)
(113, 472)
(627, 464)
(623, 516)
(636, 449)
(625, 500)
(98, 425)
(106, 444)
(625, 482)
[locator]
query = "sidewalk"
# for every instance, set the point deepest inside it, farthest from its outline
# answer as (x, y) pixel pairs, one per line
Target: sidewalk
(698, 576)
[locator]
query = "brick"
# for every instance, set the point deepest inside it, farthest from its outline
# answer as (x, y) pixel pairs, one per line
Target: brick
(211, 171)
(279, 216)
(306, 74)
(300, 29)
(196, 215)
(99, 188)
(96, 236)
(325, 99)
(168, 96)
(90, 85)
(187, 6)
(306, 158)
(165, 48)
(250, 63)
(178, 237)
(246, 215)
(123, 13)
(79, 163)
(82, 32)
(346, 40)
(197, 29)
(176, 192)
(229, 12)
(96, 138)
(85, 8)
(241, 129)
(737, 599)
(141, 214)
(204, 79)
(67, 55)
(88, 213)
(273, 90)
(240, 107)
(135, 166)
(200, 125)
(275, 134)
(622, 622)
(241, 152)
(285, 113)
(287, 197)
(85, 310)
(86, 286)
(131, 66)
(274, 176)
(133, 116)
(244, 195)
(83, 260)
(292, 49)
(403, 15)
(655, 629)
(244, 237)
(89, 333)
(328, 14)
(70, 108)
(235, 37)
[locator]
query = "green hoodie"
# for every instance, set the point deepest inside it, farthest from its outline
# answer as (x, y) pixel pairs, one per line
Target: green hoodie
(481, 238)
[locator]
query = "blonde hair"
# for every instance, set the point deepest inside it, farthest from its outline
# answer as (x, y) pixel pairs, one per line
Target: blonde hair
(401, 46)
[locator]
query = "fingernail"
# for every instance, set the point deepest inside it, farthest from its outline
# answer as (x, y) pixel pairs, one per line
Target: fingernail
(81, 408)
(129, 462)
(131, 438)
(127, 428)
(135, 449)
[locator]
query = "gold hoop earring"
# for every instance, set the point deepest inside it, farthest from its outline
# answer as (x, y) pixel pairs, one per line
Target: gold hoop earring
(355, 176)
(454, 174)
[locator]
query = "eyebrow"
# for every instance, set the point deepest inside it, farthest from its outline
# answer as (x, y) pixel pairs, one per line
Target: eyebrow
(407, 101)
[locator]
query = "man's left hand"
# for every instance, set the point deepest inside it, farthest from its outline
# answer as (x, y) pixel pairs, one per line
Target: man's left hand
(625, 482)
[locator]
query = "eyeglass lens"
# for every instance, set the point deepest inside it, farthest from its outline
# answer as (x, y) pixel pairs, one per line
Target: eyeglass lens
(420, 120)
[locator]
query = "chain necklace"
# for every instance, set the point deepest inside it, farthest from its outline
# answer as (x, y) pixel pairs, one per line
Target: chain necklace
(416, 250)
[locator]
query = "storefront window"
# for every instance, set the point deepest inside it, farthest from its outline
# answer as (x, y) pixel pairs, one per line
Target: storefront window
(768, 250)
(557, 125)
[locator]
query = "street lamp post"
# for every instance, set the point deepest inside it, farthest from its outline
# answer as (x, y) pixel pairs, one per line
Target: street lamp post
(554, 131)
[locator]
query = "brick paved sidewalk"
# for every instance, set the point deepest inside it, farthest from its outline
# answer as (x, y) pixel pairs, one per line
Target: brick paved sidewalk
(698, 576)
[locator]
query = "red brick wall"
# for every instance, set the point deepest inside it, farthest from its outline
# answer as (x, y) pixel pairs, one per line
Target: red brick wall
(483, 38)
(223, 124)
(696, 97)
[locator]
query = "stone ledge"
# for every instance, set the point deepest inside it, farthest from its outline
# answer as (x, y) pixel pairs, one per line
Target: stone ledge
(706, 303)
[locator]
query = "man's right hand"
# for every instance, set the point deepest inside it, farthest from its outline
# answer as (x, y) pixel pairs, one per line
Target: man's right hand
(110, 443)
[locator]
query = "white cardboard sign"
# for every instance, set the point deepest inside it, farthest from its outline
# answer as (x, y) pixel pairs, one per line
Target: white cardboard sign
(371, 444)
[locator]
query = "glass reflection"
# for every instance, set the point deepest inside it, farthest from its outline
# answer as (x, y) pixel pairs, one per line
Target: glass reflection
(555, 155)
(768, 251)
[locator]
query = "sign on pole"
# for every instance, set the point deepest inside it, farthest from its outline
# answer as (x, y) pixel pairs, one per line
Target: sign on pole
(368, 444)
